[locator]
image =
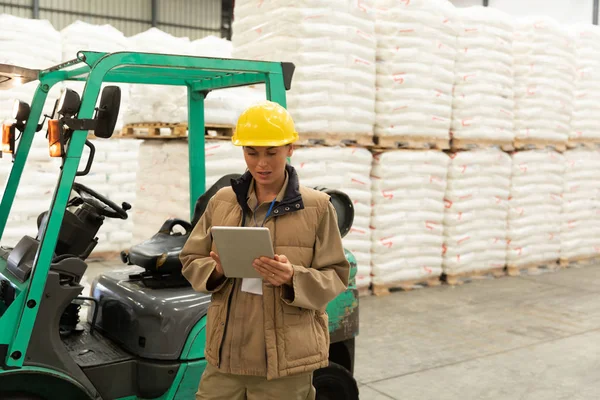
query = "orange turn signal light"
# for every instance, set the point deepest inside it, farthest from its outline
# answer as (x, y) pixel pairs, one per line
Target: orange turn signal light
(8, 138)
(55, 138)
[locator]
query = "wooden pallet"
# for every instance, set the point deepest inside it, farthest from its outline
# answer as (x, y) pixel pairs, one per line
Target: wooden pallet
(335, 139)
(155, 130)
(539, 144)
(590, 143)
(387, 288)
(410, 142)
(219, 131)
(364, 291)
(470, 144)
(579, 261)
(462, 277)
(533, 268)
(159, 130)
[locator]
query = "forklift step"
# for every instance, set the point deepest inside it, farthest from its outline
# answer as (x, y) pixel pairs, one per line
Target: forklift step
(93, 349)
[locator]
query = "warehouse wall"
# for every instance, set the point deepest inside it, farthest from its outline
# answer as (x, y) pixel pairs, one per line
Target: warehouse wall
(571, 11)
(191, 18)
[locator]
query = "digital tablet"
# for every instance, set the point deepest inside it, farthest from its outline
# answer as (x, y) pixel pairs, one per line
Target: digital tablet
(238, 247)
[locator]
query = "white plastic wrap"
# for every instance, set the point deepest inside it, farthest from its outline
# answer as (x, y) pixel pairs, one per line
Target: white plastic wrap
(29, 43)
(225, 106)
(109, 177)
(416, 48)
(580, 230)
(585, 120)
(114, 175)
(34, 193)
(544, 79)
(534, 219)
(407, 215)
(162, 187)
(80, 36)
(476, 203)
(348, 170)
(332, 45)
(483, 99)
(157, 103)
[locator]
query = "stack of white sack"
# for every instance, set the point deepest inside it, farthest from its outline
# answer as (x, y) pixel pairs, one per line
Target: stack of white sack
(416, 49)
(81, 36)
(585, 120)
(331, 43)
(483, 99)
(162, 188)
(580, 232)
(407, 215)
(113, 174)
(157, 103)
(475, 222)
(534, 223)
(347, 170)
(30, 43)
(35, 191)
(544, 80)
(225, 106)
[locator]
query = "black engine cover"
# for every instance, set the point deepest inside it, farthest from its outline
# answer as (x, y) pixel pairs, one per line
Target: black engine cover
(149, 323)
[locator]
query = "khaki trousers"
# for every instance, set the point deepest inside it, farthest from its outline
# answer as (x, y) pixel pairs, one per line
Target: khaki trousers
(216, 385)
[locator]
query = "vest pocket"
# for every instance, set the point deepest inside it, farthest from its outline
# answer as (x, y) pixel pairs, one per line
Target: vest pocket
(301, 333)
(323, 322)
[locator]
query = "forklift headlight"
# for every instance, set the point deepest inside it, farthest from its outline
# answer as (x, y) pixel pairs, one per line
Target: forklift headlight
(55, 143)
(21, 111)
(68, 104)
(8, 138)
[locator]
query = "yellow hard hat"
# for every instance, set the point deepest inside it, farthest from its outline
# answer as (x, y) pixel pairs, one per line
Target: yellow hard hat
(265, 124)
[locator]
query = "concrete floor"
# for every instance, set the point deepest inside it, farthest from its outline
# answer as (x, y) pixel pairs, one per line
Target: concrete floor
(526, 338)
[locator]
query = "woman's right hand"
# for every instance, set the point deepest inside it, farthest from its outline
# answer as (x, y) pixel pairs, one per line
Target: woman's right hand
(216, 278)
(218, 267)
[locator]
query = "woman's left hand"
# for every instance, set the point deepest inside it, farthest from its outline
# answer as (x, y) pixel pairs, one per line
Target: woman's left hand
(278, 271)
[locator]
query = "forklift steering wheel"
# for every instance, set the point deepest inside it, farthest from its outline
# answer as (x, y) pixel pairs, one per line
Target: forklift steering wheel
(103, 205)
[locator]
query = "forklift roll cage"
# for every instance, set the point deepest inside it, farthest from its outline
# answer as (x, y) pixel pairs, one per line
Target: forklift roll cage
(199, 74)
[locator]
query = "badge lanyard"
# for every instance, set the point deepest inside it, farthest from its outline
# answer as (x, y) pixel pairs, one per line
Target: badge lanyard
(266, 216)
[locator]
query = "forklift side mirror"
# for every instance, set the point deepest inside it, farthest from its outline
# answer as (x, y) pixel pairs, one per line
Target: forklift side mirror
(108, 112)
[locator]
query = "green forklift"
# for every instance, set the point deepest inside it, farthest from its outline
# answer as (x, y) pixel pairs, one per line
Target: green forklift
(144, 335)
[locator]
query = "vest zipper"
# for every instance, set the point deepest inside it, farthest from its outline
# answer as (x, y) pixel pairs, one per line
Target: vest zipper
(274, 304)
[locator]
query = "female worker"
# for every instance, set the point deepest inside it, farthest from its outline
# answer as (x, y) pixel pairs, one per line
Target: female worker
(264, 341)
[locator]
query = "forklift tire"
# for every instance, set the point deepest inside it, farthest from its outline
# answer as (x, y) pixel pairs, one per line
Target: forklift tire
(335, 383)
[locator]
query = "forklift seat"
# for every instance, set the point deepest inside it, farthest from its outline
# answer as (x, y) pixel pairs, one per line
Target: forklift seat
(160, 253)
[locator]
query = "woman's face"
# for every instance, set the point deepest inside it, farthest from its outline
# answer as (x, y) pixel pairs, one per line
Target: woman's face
(267, 164)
